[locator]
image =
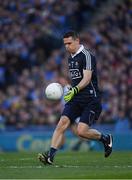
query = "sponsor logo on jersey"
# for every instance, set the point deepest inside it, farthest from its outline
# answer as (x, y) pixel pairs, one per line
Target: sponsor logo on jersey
(75, 73)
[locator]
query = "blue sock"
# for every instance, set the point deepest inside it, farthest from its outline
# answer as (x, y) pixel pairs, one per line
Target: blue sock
(52, 152)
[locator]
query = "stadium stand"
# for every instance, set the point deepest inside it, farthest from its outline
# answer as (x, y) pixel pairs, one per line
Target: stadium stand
(32, 55)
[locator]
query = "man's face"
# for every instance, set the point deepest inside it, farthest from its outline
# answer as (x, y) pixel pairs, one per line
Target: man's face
(71, 44)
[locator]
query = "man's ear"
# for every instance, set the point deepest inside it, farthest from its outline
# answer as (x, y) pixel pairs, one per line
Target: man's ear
(78, 40)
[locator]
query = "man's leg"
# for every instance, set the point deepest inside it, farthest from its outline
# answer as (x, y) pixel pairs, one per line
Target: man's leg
(85, 132)
(58, 134)
(56, 142)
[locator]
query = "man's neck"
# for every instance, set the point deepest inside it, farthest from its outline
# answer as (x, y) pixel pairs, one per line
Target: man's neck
(78, 50)
(78, 47)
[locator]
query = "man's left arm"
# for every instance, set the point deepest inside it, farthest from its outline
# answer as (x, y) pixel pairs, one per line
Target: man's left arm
(87, 75)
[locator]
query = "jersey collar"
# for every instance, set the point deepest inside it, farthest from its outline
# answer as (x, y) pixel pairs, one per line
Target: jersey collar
(78, 51)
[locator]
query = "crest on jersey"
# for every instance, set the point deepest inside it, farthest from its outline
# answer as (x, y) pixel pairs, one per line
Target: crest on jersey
(76, 64)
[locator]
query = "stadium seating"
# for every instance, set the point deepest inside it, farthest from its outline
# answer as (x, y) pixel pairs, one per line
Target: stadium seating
(32, 55)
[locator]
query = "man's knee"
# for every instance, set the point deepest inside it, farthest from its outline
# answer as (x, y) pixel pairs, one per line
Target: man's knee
(63, 124)
(82, 129)
(80, 132)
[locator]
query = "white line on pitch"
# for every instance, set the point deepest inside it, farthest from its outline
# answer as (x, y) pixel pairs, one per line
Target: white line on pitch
(65, 166)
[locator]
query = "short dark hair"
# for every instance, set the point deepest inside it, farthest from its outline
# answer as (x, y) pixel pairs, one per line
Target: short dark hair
(71, 33)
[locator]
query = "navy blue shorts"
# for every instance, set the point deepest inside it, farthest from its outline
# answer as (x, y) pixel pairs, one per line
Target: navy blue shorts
(88, 112)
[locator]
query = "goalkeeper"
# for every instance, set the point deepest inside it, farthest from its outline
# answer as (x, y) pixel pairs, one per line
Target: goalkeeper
(82, 100)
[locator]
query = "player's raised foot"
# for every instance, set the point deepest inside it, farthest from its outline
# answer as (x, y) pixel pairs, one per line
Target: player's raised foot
(45, 158)
(108, 145)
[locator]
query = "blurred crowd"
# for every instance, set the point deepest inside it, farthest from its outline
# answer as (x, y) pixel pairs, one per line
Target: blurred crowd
(32, 56)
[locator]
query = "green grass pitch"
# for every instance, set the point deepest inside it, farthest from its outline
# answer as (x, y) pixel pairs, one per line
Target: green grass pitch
(68, 165)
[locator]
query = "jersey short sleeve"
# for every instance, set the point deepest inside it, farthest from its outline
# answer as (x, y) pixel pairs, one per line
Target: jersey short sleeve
(88, 60)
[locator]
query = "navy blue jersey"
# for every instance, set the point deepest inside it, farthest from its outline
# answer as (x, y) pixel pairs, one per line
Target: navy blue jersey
(84, 60)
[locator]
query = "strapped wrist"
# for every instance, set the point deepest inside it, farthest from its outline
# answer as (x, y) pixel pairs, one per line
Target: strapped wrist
(76, 90)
